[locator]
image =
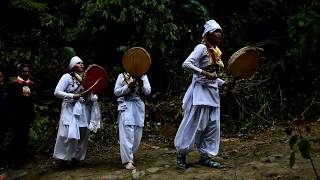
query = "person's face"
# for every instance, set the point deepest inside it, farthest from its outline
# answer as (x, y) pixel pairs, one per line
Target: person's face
(79, 67)
(214, 38)
(25, 73)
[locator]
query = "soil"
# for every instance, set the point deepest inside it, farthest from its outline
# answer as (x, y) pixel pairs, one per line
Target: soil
(255, 156)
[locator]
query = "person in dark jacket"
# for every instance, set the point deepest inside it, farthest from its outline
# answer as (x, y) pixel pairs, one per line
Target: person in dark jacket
(4, 117)
(21, 100)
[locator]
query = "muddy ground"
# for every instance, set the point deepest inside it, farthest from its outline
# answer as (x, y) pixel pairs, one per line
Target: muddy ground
(254, 156)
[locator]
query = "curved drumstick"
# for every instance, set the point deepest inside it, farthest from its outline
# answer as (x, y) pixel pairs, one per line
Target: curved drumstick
(90, 87)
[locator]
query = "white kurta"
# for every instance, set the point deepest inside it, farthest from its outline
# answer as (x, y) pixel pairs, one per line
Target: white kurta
(72, 136)
(200, 126)
(131, 116)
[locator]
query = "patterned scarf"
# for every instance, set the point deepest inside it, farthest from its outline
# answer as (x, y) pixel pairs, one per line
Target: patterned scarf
(25, 89)
(78, 76)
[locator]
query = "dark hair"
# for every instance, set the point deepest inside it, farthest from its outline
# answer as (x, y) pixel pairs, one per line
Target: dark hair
(217, 30)
(20, 66)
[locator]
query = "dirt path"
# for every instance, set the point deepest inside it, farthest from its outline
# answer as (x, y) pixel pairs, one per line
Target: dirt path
(263, 156)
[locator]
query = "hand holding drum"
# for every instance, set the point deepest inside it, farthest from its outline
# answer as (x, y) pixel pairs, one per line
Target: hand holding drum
(242, 64)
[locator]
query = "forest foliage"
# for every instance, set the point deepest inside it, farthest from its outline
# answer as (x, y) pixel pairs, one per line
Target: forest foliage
(45, 33)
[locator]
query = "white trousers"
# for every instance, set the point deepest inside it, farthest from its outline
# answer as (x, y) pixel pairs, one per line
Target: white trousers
(68, 149)
(130, 138)
(200, 128)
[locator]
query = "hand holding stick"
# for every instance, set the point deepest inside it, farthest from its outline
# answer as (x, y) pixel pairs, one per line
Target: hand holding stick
(84, 92)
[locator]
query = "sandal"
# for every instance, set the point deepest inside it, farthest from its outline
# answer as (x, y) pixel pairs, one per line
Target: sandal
(129, 166)
(210, 163)
(181, 161)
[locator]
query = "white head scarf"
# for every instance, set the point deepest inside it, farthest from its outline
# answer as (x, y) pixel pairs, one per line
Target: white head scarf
(210, 26)
(74, 60)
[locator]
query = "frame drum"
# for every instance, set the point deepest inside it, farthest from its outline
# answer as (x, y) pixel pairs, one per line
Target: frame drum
(136, 61)
(244, 62)
(95, 79)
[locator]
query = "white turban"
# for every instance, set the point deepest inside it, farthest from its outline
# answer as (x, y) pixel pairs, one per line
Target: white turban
(74, 60)
(210, 26)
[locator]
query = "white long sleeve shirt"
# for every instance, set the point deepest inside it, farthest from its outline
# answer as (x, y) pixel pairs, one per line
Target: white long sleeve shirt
(202, 91)
(130, 105)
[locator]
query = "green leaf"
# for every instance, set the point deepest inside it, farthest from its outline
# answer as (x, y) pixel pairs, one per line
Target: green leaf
(301, 23)
(304, 148)
(30, 5)
(292, 159)
(195, 7)
(122, 48)
(67, 53)
(293, 140)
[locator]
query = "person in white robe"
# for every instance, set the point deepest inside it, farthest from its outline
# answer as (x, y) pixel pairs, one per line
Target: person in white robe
(200, 127)
(131, 114)
(78, 116)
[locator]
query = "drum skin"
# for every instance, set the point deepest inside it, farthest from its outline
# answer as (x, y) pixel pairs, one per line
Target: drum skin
(244, 62)
(95, 76)
(136, 61)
